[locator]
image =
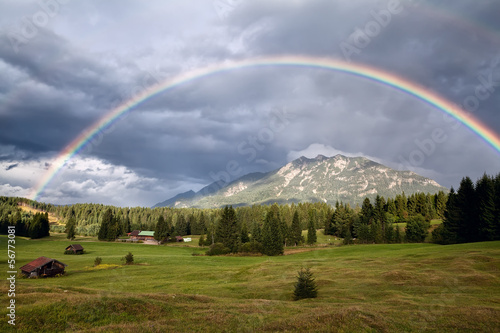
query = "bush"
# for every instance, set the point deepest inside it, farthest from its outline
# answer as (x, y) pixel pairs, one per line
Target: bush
(251, 247)
(97, 261)
(69, 252)
(129, 259)
(305, 287)
(217, 249)
(201, 242)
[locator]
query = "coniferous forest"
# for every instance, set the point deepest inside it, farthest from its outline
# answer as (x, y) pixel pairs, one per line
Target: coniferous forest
(470, 214)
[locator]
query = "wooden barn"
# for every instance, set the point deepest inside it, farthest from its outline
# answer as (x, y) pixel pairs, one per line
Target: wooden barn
(76, 248)
(43, 267)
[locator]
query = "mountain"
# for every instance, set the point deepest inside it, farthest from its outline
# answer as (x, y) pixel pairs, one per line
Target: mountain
(179, 197)
(327, 179)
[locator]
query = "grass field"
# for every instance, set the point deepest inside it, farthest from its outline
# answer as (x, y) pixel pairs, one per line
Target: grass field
(362, 288)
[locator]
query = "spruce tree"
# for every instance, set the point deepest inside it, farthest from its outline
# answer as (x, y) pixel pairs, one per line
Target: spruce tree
(311, 230)
(107, 229)
(366, 215)
(161, 230)
(305, 287)
(272, 239)
(256, 232)
(397, 237)
(244, 234)
(227, 231)
(467, 207)
(485, 193)
(416, 229)
(295, 230)
(70, 228)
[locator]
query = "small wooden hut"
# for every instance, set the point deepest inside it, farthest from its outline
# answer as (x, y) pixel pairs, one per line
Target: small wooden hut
(76, 248)
(43, 267)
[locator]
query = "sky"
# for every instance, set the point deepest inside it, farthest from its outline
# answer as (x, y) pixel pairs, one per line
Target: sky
(65, 64)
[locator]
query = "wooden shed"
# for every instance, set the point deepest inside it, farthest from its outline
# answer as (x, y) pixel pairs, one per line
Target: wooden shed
(76, 248)
(43, 267)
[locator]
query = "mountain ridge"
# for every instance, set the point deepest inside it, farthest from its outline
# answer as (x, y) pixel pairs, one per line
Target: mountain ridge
(326, 179)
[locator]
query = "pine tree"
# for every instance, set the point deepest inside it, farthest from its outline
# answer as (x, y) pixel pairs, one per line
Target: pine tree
(161, 230)
(244, 234)
(416, 229)
(440, 203)
(397, 238)
(366, 215)
(272, 239)
(311, 230)
(467, 207)
(348, 237)
(485, 193)
(305, 287)
(70, 228)
(295, 230)
(181, 227)
(389, 233)
(256, 232)
(108, 231)
(379, 213)
(227, 231)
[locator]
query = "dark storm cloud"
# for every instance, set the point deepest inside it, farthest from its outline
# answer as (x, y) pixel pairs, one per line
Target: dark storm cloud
(93, 56)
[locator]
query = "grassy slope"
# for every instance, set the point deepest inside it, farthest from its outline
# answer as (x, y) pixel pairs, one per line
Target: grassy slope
(408, 287)
(53, 219)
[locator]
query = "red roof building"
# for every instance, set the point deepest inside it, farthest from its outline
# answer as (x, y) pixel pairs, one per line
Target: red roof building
(42, 267)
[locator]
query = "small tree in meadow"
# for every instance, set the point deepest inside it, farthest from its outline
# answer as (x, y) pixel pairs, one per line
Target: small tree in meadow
(129, 259)
(201, 242)
(305, 287)
(97, 261)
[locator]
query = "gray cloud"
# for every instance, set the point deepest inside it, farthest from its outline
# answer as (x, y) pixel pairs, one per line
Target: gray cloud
(91, 56)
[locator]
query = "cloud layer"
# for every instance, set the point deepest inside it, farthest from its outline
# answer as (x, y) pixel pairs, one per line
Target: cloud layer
(67, 63)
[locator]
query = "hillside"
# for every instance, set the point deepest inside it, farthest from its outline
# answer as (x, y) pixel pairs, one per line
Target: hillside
(369, 288)
(325, 179)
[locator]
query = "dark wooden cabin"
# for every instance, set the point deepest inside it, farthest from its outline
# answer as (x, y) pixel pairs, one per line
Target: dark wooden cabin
(43, 267)
(76, 248)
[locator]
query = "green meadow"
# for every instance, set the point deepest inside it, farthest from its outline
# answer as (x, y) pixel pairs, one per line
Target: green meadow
(174, 288)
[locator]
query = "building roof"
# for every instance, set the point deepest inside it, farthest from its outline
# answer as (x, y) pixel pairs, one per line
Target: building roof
(76, 247)
(135, 233)
(37, 263)
(147, 233)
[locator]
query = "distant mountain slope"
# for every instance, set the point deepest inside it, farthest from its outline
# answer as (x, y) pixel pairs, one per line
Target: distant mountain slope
(338, 178)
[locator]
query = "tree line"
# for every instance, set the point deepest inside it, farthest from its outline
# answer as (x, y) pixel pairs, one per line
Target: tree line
(472, 212)
(27, 224)
(371, 223)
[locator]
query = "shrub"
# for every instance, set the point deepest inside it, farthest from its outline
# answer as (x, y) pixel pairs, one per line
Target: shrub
(129, 259)
(305, 287)
(69, 252)
(218, 249)
(251, 247)
(97, 261)
(201, 242)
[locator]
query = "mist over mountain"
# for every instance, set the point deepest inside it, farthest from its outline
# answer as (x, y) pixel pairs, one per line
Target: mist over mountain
(326, 179)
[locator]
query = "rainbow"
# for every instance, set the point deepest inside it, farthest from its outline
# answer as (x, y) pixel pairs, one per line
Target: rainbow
(359, 70)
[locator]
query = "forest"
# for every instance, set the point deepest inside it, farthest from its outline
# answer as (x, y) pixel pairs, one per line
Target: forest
(472, 213)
